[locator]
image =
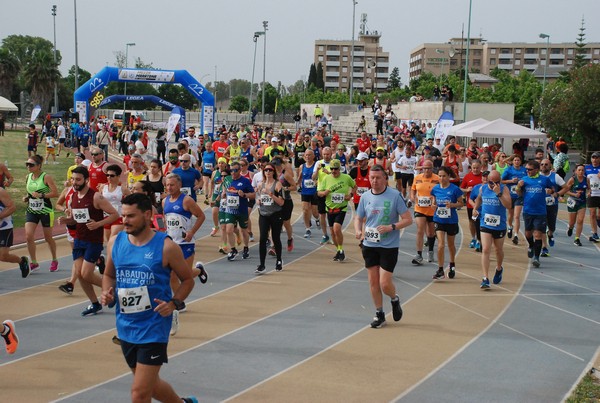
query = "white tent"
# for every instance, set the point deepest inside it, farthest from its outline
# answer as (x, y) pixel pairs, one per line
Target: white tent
(466, 129)
(6, 105)
(503, 129)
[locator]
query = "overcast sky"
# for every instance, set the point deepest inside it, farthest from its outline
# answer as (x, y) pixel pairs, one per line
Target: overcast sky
(198, 35)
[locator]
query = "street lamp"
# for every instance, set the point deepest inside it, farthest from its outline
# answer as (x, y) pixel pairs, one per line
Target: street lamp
(467, 63)
(441, 52)
(354, 3)
(257, 34)
(265, 25)
(55, 83)
(127, 45)
(547, 38)
(76, 62)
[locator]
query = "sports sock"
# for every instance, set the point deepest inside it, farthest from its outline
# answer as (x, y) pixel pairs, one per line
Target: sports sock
(537, 247)
(530, 241)
(5, 330)
(420, 252)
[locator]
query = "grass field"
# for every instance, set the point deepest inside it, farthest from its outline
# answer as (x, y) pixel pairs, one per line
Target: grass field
(13, 152)
(588, 390)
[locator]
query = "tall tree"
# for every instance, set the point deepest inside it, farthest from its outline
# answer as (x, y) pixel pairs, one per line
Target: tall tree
(9, 71)
(580, 51)
(40, 75)
(312, 76)
(394, 81)
(320, 84)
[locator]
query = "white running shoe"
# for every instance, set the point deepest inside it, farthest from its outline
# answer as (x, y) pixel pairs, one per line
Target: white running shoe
(174, 323)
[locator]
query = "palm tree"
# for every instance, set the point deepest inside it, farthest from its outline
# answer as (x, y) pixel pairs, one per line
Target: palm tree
(40, 75)
(9, 71)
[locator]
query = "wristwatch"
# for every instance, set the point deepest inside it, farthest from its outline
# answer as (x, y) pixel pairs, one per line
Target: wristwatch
(178, 303)
(393, 226)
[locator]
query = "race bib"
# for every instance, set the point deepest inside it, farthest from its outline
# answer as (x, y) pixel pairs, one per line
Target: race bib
(300, 155)
(133, 300)
(571, 202)
(186, 191)
(266, 200)
(337, 198)
(173, 222)
(424, 201)
(233, 201)
(36, 204)
(513, 190)
(372, 235)
(309, 183)
(549, 200)
(443, 212)
(208, 166)
(361, 191)
(491, 220)
(594, 185)
(81, 215)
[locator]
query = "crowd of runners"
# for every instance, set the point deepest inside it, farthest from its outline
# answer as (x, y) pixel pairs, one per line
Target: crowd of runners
(149, 209)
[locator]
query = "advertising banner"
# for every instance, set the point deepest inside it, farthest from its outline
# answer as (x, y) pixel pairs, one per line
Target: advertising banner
(442, 127)
(35, 112)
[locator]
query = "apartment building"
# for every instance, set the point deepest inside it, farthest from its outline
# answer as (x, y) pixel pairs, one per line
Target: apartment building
(538, 58)
(371, 64)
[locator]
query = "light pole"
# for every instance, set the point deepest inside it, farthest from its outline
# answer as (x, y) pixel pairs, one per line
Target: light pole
(547, 38)
(76, 62)
(354, 3)
(127, 45)
(265, 25)
(467, 63)
(441, 52)
(257, 34)
(55, 84)
(215, 94)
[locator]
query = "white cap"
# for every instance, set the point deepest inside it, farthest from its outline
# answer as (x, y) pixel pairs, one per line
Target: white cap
(362, 156)
(86, 163)
(484, 145)
(274, 139)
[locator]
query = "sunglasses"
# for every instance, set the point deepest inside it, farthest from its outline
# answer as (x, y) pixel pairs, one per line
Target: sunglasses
(235, 170)
(268, 170)
(111, 175)
(29, 165)
(530, 169)
(184, 160)
(96, 154)
(335, 169)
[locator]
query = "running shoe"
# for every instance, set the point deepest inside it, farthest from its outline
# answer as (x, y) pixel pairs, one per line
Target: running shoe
(101, 264)
(577, 242)
(509, 234)
(290, 244)
(451, 271)
(545, 252)
(430, 256)
(439, 274)
(231, 256)
(472, 243)
(92, 309)
(67, 287)
(324, 239)
(396, 309)
(272, 252)
(260, 269)
(24, 266)
(342, 256)
(189, 399)
(307, 234)
(409, 204)
(378, 320)
(485, 284)
(478, 247)
(336, 258)
(498, 275)
(206, 202)
(251, 236)
(246, 253)
(174, 323)
(116, 340)
(318, 222)
(535, 262)
(595, 238)
(33, 267)
(214, 231)
(418, 259)
(529, 253)
(551, 241)
(223, 250)
(279, 265)
(570, 231)
(203, 275)
(515, 240)
(10, 338)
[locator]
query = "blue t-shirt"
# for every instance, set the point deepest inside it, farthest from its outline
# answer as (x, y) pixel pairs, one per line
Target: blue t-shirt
(209, 162)
(510, 173)
(188, 180)
(234, 203)
(309, 186)
(140, 278)
(443, 196)
(474, 194)
(534, 194)
(381, 209)
(492, 214)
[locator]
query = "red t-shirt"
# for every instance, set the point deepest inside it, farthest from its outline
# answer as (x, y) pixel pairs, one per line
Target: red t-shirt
(219, 147)
(363, 144)
(97, 175)
(470, 180)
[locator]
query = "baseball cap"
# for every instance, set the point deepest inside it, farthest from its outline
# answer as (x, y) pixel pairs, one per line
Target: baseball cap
(335, 164)
(596, 154)
(362, 157)
(341, 147)
(80, 155)
(484, 145)
(380, 148)
(222, 159)
(274, 139)
(485, 173)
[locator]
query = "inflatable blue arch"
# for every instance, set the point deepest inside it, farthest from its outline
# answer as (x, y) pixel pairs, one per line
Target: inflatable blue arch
(88, 95)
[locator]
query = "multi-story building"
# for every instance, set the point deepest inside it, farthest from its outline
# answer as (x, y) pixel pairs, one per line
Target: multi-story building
(371, 64)
(540, 58)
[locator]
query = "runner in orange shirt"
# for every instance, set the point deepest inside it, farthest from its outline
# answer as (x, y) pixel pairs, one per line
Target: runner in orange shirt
(420, 195)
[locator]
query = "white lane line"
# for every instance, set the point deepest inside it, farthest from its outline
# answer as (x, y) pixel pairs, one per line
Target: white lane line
(544, 274)
(561, 310)
(577, 263)
(541, 342)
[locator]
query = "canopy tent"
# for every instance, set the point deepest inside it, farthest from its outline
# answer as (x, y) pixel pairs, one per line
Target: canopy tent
(6, 105)
(465, 129)
(504, 129)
